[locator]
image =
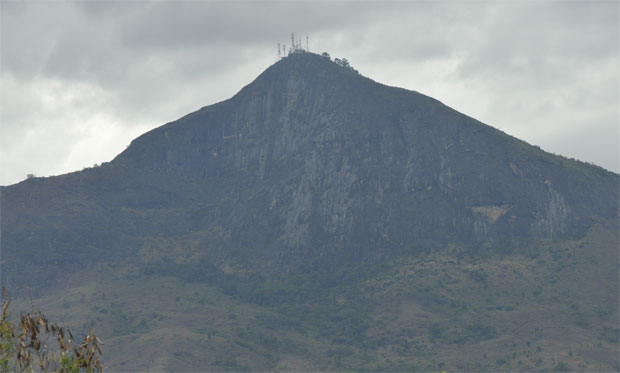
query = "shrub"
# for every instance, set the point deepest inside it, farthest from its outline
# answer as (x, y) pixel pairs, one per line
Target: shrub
(36, 344)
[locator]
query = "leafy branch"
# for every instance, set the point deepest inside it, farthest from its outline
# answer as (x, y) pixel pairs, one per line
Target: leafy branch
(35, 343)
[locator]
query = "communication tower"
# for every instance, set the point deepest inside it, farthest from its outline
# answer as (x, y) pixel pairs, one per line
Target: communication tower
(297, 45)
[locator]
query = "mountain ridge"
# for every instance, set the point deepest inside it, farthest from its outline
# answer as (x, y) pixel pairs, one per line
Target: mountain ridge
(312, 142)
(345, 217)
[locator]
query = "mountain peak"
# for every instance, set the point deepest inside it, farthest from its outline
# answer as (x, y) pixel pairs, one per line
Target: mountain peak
(310, 62)
(300, 69)
(325, 144)
(317, 186)
(314, 163)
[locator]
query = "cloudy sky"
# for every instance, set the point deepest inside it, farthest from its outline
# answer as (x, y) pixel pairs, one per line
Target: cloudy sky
(80, 80)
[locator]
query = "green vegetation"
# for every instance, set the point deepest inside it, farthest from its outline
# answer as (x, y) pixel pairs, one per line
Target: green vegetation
(36, 344)
(541, 307)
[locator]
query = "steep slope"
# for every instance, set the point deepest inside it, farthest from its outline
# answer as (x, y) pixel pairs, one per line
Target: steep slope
(313, 169)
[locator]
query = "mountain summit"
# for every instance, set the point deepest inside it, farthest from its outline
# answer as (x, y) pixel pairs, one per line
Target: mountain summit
(320, 161)
(310, 166)
(314, 162)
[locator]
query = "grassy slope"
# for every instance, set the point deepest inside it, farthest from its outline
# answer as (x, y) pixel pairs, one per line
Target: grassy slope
(554, 306)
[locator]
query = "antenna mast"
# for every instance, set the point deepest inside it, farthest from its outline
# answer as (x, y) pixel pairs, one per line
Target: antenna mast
(307, 47)
(293, 42)
(279, 54)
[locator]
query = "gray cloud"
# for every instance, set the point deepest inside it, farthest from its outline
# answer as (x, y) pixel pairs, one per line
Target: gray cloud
(79, 80)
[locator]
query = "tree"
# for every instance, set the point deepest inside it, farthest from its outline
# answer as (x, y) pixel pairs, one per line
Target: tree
(36, 344)
(344, 63)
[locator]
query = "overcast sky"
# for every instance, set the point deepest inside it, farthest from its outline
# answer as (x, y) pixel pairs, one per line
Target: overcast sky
(80, 80)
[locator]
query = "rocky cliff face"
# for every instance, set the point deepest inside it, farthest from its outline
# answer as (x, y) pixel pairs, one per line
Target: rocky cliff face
(311, 163)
